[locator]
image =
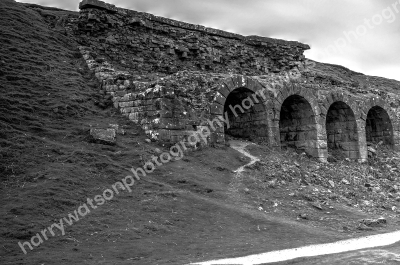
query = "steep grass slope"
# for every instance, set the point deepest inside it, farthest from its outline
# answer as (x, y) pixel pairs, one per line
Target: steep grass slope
(188, 210)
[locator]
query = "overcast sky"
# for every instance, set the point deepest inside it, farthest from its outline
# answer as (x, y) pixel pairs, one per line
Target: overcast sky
(363, 35)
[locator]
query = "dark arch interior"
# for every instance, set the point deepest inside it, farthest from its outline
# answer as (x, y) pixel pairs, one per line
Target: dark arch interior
(379, 127)
(341, 130)
(297, 125)
(246, 114)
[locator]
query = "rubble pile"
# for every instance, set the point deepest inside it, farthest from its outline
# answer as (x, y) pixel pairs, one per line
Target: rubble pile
(297, 182)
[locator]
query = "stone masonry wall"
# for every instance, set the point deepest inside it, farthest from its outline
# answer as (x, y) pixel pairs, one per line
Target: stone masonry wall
(173, 78)
(133, 51)
(149, 46)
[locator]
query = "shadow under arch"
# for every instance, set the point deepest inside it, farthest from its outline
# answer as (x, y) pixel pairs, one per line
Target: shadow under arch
(246, 114)
(378, 127)
(342, 132)
(298, 126)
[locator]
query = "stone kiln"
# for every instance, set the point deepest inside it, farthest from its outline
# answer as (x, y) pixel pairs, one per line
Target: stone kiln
(173, 77)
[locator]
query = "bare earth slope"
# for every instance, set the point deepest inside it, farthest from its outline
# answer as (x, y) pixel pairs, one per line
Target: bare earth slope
(338, 74)
(189, 210)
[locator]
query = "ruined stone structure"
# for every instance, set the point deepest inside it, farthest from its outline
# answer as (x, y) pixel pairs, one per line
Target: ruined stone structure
(173, 78)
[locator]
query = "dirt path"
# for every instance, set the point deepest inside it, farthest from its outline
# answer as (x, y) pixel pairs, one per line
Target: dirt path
(240, 146)
(236, 197)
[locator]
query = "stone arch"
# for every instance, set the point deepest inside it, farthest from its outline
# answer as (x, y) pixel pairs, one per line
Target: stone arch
(302, 130)
(379, 126)
(341, 130)
(340, 96)
(381, 122)
(297, 125)
(353, 144)
(253, 120)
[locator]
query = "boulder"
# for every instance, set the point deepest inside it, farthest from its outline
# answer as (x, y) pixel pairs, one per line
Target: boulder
(103, 136)
(371, 151)
(374, 222)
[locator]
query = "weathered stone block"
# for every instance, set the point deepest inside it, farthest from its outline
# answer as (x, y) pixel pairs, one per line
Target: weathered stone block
(220, 98)
(104, 136)
(216, 109)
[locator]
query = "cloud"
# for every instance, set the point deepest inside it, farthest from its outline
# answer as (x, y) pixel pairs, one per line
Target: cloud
(319, 23)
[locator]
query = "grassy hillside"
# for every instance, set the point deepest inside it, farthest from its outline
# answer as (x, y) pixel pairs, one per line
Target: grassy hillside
(188, 210)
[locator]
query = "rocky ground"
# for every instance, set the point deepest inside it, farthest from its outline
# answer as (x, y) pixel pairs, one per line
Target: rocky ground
(189, 210)
(328, 191)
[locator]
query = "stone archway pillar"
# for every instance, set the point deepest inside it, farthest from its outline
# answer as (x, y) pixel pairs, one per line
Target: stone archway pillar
(396, 133)
(273, 125)
(322, 142)
(274, 136)
(362, 140)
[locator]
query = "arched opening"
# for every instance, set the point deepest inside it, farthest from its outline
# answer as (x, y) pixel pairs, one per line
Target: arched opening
(246, 114)
(341, 130)
(297, 125)
(379, 127)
